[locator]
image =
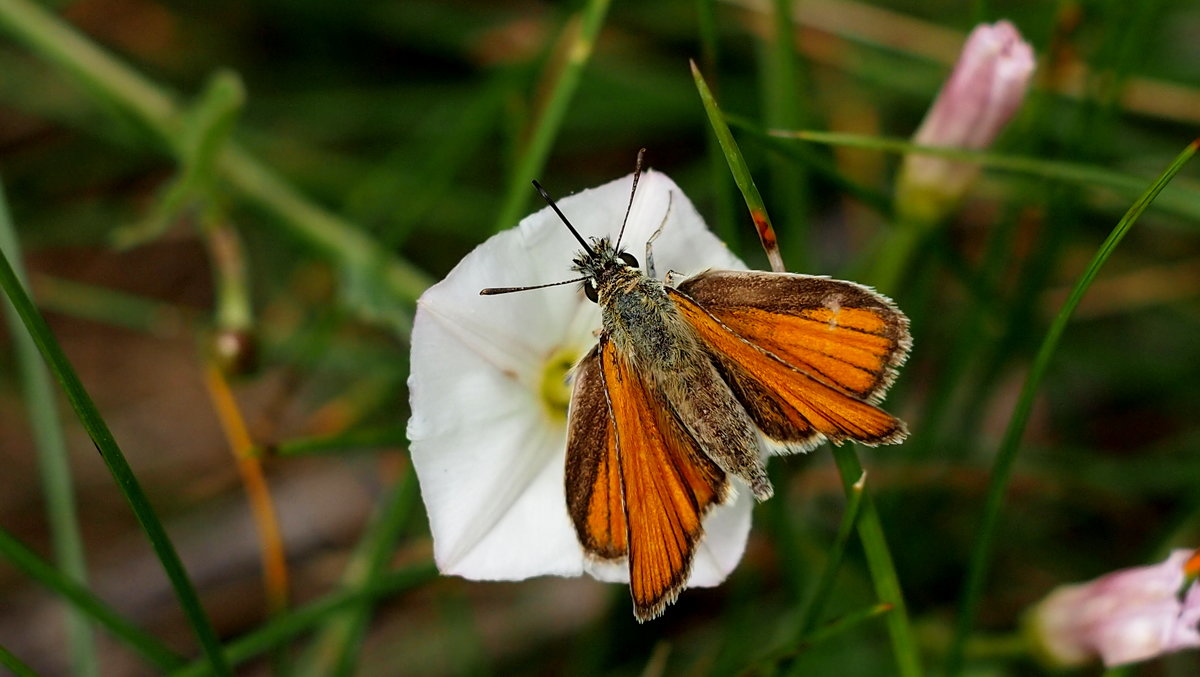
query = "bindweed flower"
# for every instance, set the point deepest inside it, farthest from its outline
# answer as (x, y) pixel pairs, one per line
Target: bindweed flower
(1123, 617)
(983, 92)
(489, 389)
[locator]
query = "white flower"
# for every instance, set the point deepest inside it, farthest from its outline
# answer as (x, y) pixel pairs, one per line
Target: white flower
(489, 395)
(1123, 617)
(983, 92)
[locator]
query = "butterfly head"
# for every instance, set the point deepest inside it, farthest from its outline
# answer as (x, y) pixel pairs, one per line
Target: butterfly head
(601, 264)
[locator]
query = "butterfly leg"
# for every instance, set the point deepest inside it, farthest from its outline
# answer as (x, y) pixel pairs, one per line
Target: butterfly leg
(654, 236)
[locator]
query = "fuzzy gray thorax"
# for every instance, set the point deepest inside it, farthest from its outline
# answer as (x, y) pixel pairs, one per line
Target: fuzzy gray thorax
(638, 316)
(647, 328)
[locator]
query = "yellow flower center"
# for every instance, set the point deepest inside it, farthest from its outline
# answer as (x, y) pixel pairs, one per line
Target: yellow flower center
(556, 392)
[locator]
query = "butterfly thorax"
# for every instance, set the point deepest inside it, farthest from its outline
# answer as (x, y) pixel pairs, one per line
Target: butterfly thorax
(638, 316)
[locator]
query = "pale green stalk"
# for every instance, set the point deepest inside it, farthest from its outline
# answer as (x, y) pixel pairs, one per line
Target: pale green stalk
(53, 459)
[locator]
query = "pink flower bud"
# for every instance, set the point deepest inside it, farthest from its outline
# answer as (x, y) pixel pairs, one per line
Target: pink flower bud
(983, 92)
(1123, 617)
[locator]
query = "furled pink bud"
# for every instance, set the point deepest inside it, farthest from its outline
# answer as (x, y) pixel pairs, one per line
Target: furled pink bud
(983, 92)
(1123, 617)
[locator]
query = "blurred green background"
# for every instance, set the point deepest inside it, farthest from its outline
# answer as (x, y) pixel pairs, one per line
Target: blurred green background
(292, 174)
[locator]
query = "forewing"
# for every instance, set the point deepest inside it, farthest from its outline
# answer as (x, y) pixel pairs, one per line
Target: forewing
(669, 485)
(794, 405)
(838, 332)
(593, 479)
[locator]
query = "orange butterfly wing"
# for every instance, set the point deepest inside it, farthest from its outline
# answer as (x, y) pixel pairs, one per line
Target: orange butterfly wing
(593, 473)
(807, 356)
(666, 484)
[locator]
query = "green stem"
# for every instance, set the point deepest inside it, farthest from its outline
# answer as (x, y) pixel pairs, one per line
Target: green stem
(376, 282)
(145, 644)
(1185, 202)
(53, 459)
(332, 652)
(107, 78)
(581, 31)
(824, 586)
(1009, 446)
(18, 667)
(278, 630)
(740, 171)
(879, 562)
(111, 453)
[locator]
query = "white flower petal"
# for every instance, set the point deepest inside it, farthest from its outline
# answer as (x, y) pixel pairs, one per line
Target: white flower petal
(533, 536)
(726, 530)
(516, 330)
(475, 478)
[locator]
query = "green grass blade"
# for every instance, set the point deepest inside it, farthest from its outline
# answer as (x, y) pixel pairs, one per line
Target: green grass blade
(360, 438)
(847, 622)
(824, 586)
(14, 664)
(881, 566)
(818, 164)
(280, 629)
(333, 650)
(126, 481)
(1181, 201)
(586, 27)
(785, 662)
(1010, 444)
(741, 173)
(53, 460)
(145, 644)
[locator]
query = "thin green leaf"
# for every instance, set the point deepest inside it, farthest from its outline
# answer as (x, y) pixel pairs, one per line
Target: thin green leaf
(1181, 201)
(207, 126)
(741, 173)
(18, 667)
(824, 586)
(834, 628)
(333, 650)
(145, 644)
(363, 438)
(881, 566)
(53, 459)
(126, 481)
(282, 628)
(1006, 455)
(818, 163)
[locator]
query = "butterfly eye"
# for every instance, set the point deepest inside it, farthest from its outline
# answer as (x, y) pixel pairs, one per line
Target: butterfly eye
(629, 259)
(589, 290)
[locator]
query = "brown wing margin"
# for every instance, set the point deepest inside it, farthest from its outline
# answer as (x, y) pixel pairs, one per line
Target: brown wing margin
(593, 478)
(669, 485)
(838, 332)
(789, 404)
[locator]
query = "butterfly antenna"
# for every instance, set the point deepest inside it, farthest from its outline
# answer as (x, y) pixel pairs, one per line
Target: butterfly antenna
(492, 291)
(550, 201)
(637, 173)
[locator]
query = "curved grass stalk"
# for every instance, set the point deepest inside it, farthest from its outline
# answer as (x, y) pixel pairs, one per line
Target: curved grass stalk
(1006, 456)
